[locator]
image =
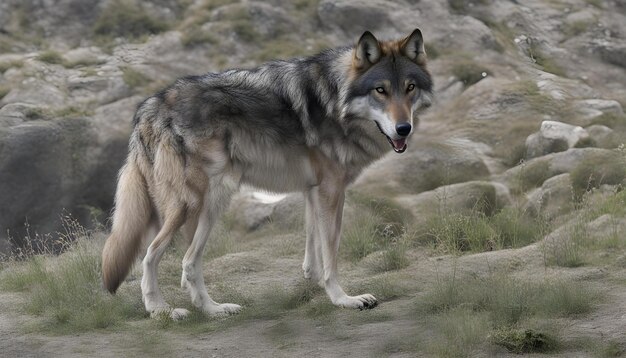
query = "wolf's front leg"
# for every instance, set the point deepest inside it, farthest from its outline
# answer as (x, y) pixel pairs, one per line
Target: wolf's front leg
(328, 203)
(312, 265)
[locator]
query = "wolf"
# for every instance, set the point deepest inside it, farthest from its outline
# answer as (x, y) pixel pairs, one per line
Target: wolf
(307, 125)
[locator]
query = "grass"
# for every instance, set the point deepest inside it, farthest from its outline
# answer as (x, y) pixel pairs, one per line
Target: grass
(379, 224)
(51, 57)
(66, 290)
(460, 332)
(508, 301)
(545, 62)
(531, 175)
(126, 18)
(593, 172)
(476, 232)
(525, 341)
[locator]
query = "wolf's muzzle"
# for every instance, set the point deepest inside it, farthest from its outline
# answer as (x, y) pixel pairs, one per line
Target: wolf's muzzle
(403, 129)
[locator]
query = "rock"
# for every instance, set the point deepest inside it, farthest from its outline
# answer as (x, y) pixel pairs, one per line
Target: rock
(554, 137)
(56, 166)
(38, 92)
(601, 135)
(553, 164)
(426, 166)
(606, 226)
(355, 16)
(252, 211)
(589, 109)
(554, 198)
(611, 52)
(466, 197)
(15, 113)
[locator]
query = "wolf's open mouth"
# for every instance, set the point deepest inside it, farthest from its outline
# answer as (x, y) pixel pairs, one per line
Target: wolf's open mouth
(398, 145)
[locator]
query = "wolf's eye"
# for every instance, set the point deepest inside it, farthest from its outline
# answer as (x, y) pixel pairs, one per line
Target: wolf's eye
(380, 90)
(410, 87)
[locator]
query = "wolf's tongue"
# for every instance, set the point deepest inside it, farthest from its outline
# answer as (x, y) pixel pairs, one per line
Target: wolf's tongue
(399, 144)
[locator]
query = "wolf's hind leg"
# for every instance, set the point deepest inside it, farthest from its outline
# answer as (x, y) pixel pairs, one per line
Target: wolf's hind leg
(215, 201)
(312, 265)
(151, 294)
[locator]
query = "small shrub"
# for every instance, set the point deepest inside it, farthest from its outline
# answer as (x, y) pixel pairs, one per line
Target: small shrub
(393, 258)
(525, 341)
(531, 175)
(51, 57)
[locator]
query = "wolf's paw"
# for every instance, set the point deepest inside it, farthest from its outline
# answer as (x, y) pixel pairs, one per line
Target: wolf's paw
(361, 302)
(222, 309)
(176, 314)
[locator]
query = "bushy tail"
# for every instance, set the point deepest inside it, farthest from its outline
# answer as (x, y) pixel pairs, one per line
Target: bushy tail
(130, 221)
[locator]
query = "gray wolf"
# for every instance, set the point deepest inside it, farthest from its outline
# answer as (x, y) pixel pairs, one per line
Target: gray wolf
(307, 125)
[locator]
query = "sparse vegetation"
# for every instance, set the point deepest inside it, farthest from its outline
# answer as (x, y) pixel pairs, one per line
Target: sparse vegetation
(547, 63)
(594, 172)
(51, 57)
(525, 341)
(66, 290)
(576, 28)
(196, 36)
(126, 18)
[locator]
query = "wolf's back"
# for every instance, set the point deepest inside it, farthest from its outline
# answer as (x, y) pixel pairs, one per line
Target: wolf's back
(130, 220)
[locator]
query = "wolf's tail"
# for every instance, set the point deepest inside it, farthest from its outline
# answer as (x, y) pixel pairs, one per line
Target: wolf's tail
(131, 218)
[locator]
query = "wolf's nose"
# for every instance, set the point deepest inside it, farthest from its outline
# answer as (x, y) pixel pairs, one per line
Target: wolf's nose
(403, 129)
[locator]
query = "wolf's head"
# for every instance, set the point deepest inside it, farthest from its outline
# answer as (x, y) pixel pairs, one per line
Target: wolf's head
(390, 85)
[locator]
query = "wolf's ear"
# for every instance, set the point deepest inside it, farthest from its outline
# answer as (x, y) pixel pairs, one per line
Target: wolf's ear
(367, 51)
(413, 47)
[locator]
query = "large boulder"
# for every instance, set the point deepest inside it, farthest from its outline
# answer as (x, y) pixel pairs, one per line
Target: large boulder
(486, 197)
(53, 167)
(552, 199)
(554, 137)
(354, 17)
(427, 165)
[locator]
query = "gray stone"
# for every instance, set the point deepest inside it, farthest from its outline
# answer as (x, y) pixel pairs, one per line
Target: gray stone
(466, 197)
(554, 198)
(355, 16)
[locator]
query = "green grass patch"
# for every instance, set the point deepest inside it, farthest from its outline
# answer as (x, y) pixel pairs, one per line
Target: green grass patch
(459, 332)
(525, 341)
(126, 18)
(378, 224)
(476, 232)
(66, 291)
(508, 300)
(531, 175)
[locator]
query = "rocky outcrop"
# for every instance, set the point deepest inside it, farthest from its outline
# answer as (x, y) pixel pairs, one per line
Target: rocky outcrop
(554, 137)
